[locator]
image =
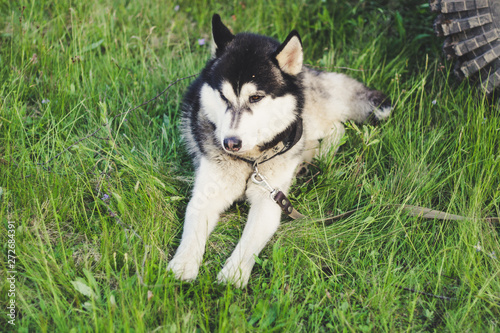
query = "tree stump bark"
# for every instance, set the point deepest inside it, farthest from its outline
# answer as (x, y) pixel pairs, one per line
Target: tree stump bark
(472, 31)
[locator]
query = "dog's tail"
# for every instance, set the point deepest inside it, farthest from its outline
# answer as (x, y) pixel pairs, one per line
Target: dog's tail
(359, 102)
(380, 105)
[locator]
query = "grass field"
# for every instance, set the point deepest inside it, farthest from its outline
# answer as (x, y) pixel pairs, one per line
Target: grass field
(84, 218)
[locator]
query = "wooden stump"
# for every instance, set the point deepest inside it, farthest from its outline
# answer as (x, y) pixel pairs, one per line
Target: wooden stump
(472, 31)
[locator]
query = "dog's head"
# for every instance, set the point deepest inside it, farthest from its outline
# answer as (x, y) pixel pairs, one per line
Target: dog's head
(253, 89)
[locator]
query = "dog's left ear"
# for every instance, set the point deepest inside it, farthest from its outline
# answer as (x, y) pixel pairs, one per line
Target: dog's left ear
(221, 36)
(289, 55)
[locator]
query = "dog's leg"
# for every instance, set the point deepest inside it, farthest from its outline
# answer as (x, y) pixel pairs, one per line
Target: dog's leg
(215, 189)
(263, 221)
(332, 140)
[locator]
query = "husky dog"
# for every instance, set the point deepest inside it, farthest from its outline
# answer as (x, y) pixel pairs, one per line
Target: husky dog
(253, 115)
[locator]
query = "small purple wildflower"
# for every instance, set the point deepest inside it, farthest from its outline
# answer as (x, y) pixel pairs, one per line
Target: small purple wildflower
(105, 197)
(45, 101)
(434, 102)
(201, 41)
(176, 8)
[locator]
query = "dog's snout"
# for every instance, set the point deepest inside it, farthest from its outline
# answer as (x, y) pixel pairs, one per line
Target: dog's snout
(232, 143)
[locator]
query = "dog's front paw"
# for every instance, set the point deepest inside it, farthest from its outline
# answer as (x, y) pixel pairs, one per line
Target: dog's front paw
(234, 273)
(302, 170)
(185, 269)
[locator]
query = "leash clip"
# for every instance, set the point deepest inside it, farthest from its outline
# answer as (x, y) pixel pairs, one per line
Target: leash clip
(275, 194)
(260, 180)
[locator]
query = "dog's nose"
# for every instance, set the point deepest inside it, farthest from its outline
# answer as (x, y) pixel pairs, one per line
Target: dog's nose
(232, 143)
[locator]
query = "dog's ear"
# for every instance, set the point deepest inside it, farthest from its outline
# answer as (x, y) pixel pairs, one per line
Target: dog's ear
(221, 36)
(289, 54)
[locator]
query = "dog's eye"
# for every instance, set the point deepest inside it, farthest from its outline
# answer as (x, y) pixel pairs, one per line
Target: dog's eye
(255, 98)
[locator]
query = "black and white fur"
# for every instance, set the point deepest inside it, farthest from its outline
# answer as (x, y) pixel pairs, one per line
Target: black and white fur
(247, 98)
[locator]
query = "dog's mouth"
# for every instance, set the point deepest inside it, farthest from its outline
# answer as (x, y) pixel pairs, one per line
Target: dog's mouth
(237, 144)
(279, 144)
(235, 147)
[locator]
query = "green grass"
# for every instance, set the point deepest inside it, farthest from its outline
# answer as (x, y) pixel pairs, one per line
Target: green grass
(67, 69)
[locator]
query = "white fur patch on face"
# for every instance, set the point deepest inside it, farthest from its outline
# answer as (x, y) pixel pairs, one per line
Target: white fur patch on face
(235, 115)
(259, 121)
(211, 103)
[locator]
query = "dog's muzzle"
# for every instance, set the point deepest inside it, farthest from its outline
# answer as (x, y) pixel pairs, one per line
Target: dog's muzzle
(232, 144)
